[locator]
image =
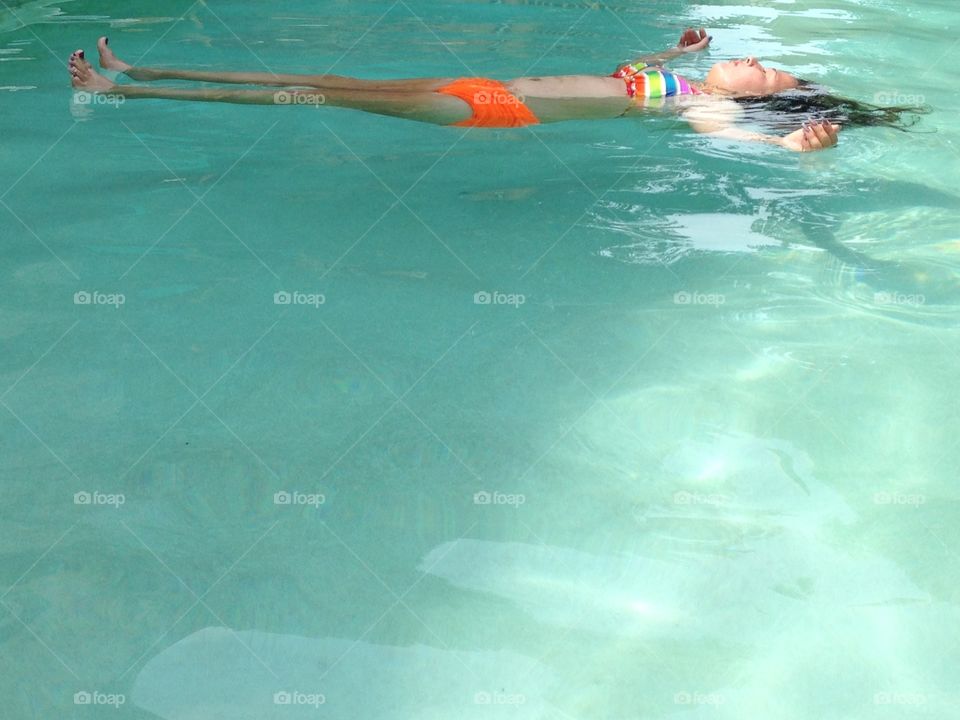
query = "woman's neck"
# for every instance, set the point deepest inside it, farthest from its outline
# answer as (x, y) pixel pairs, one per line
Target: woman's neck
(709, 89)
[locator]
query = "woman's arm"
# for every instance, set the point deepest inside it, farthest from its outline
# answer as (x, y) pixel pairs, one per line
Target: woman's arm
(691, 41)
(718, 118)
(812, 136)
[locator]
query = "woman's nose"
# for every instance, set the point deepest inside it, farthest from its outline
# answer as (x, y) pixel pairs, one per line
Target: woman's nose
(750, 60)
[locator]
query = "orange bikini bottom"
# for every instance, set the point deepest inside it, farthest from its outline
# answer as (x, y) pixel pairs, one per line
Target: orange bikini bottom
(493, 105)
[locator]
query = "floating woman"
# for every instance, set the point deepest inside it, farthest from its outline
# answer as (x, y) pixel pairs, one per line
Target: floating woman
(712, 106)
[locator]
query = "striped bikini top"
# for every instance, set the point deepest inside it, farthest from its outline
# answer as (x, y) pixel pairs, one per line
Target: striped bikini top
(650, 83)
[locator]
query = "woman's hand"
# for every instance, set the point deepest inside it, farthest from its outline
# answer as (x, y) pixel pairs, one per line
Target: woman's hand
(693, 40)
(812, 136)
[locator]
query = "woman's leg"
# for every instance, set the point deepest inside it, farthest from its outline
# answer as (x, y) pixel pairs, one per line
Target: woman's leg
(110, 61)
(423, 106)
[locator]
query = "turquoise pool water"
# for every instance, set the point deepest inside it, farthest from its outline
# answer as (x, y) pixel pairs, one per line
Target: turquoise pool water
(695, 458)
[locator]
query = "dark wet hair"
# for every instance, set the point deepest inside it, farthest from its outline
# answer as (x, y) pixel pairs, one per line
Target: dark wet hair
(784, 111)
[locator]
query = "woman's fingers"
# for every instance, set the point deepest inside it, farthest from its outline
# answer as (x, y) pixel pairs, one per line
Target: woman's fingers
(819, 135)
(692, 39)
(810, 141)
(826, 133)
(814, 135)
(834, 131)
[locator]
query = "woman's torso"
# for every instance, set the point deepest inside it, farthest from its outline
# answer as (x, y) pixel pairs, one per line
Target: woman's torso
(568, 97)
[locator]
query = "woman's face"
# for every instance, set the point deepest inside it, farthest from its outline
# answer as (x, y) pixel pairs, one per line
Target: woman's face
(749, 77)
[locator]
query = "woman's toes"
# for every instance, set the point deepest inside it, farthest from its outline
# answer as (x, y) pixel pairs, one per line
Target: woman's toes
(108, 59)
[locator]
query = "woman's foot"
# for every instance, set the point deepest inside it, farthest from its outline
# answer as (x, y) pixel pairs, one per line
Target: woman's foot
(109, 61)
(84, 77)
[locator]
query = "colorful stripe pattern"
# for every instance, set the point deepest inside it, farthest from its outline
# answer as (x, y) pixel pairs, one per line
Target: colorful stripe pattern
(646, 83)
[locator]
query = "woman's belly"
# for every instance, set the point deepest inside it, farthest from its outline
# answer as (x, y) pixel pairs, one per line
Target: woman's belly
(569, 86)
(572, 97)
